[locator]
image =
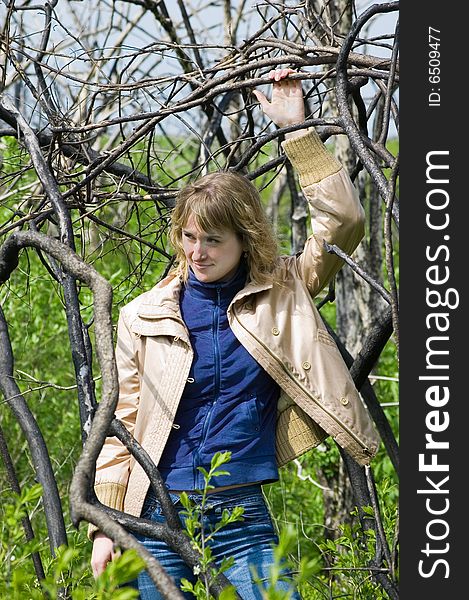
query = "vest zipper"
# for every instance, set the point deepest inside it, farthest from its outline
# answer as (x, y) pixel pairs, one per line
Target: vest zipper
(305, 390)
(217, 376)
(216, 343)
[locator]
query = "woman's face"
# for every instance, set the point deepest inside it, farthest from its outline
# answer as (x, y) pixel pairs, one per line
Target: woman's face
(212, 255)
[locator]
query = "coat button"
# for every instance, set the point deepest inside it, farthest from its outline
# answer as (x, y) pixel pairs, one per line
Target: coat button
(306, 365)
(275, 331)
(344, 401)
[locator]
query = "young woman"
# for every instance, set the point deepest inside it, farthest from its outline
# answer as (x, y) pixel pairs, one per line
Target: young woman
(228, 353)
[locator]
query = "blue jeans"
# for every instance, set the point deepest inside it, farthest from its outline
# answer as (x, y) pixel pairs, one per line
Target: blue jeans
(249, 541)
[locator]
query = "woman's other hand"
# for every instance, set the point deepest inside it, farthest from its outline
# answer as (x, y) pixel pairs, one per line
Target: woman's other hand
(286, 106)
(103, 553)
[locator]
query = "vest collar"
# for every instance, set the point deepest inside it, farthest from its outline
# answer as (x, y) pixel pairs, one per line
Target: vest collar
(225, 290)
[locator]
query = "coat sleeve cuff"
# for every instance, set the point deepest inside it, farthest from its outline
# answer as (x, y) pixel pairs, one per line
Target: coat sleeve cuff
(109, 494)
(311, 159)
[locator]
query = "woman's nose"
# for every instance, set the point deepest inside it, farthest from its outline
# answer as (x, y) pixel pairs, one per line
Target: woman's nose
(199, 251)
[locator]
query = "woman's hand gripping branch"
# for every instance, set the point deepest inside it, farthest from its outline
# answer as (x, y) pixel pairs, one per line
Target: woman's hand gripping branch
(286, 106)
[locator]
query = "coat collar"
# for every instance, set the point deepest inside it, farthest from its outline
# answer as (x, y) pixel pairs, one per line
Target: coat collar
(224, 290)
(163, 299)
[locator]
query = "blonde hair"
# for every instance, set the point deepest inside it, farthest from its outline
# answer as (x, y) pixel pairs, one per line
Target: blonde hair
(226, 200)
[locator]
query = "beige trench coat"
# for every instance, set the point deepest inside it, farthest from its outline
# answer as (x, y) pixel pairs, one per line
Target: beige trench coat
(279, 326)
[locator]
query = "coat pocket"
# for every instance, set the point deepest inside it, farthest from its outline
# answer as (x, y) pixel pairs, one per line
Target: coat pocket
(253, 411)
(245, 420)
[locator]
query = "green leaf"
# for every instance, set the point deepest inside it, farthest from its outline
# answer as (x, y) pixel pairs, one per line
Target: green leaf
(219, 473)
(331, 545)
(125, 593)
(229, 593)
(218, 459)
(204, 472)
(226, 563)
(186, 585)
(122, 569)
(185, 501)
(368, 510)
(31, 494)
(191, 526)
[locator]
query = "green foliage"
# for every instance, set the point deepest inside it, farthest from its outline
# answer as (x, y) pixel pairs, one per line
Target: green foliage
(125, 568)
(284, 569)
(350, 554)
(14, 552)
(66, 572)
(201, 538)
(340, 564)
